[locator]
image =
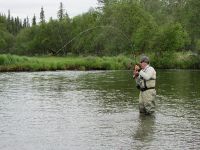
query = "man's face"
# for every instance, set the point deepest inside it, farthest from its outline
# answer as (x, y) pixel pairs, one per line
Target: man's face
(143, 64)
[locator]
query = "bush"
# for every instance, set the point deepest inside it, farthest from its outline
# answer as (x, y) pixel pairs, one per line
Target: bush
(170, 37)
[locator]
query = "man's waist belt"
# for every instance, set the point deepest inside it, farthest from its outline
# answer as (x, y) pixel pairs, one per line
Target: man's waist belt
(144, 89)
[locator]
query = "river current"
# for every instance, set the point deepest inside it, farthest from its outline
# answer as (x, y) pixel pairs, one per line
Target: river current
(98, 110)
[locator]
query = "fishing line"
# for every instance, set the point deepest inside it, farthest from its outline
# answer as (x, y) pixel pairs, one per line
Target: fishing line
(93, 28)
(102, 26)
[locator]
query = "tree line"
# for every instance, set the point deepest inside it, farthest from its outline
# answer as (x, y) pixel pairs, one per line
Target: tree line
(114, 27)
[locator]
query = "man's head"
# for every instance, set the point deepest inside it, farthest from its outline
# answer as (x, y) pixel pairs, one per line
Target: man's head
(144, 61)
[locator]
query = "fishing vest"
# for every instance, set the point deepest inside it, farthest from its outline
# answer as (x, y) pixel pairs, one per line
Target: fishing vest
(144, 85)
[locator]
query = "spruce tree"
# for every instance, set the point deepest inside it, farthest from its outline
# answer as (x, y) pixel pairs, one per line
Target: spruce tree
(67, 17)
(34, 20)
(60, 13)
(27, 22)
(42, 16)
(24, 23)
(8, 15)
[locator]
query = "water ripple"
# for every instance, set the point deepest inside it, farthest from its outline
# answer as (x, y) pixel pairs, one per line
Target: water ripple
(91, 110)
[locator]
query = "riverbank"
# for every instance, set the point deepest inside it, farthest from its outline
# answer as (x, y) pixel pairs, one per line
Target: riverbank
(23, 63)
(47, 63)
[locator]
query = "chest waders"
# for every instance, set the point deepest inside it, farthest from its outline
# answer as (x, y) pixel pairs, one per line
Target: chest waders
(145, 85)
(147, 95)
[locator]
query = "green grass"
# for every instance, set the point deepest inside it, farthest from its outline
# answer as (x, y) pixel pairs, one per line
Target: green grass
(22, 63)
(180, 60)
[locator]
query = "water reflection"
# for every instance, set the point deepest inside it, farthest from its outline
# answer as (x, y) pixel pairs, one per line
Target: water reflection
(145, 128)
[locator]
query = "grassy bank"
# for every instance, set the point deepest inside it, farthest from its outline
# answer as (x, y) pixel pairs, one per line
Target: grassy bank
(19, 63)
(22, 63)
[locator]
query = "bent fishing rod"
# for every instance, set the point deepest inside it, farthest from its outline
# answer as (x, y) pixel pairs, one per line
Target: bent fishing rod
(102, 26)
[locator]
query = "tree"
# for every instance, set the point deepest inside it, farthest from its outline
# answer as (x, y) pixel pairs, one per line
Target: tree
(170, 38)
(83, 34)
(42, 16)
(102, 4)
(60, 13)
(27, 22)
(106, 2)
(133, 21)
(24, 23)
(67, 17)
(6, 40)
(43, 40)
(26, 41)
(143, 37)
(9, 17)
(34, 20)
(192, 22)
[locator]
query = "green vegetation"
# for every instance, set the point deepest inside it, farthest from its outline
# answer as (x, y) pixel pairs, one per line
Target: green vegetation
(24, 63)
(21, 63)
(178, 60)
(167, 30)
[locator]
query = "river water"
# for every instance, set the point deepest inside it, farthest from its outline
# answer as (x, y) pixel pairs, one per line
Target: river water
(97, 110)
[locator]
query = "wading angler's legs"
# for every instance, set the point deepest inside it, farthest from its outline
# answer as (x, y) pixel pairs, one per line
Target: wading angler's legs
(147, 101)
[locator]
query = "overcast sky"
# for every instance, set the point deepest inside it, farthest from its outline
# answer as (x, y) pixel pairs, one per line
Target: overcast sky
(24, 8)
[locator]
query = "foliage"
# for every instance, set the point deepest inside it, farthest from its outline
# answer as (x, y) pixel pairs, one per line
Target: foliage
(192, 22)
(6, 40)
(176, 60)
(171, 37)
(43, 40)
(82, 30)
(24, 41)
(42, 16)
(186, 60)
(21, 63)
(34, 20)
(116, 27)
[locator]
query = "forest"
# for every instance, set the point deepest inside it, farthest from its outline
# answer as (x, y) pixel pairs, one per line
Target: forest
(115, 27)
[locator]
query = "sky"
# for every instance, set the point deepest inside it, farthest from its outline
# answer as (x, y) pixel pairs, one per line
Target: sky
(27, 8)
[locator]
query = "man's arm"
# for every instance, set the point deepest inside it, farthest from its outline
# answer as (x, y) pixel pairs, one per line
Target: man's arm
(148, 74)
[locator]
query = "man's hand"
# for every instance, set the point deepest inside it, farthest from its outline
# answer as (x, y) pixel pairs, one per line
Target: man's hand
(137, 68)
(136, 71)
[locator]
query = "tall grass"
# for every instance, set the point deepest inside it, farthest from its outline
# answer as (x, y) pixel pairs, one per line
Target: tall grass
(21, 63)
(179, 60)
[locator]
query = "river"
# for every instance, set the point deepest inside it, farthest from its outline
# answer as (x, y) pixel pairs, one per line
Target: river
(97, 110)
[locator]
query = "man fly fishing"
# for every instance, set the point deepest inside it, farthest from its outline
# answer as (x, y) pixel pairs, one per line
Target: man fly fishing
(145, 77)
